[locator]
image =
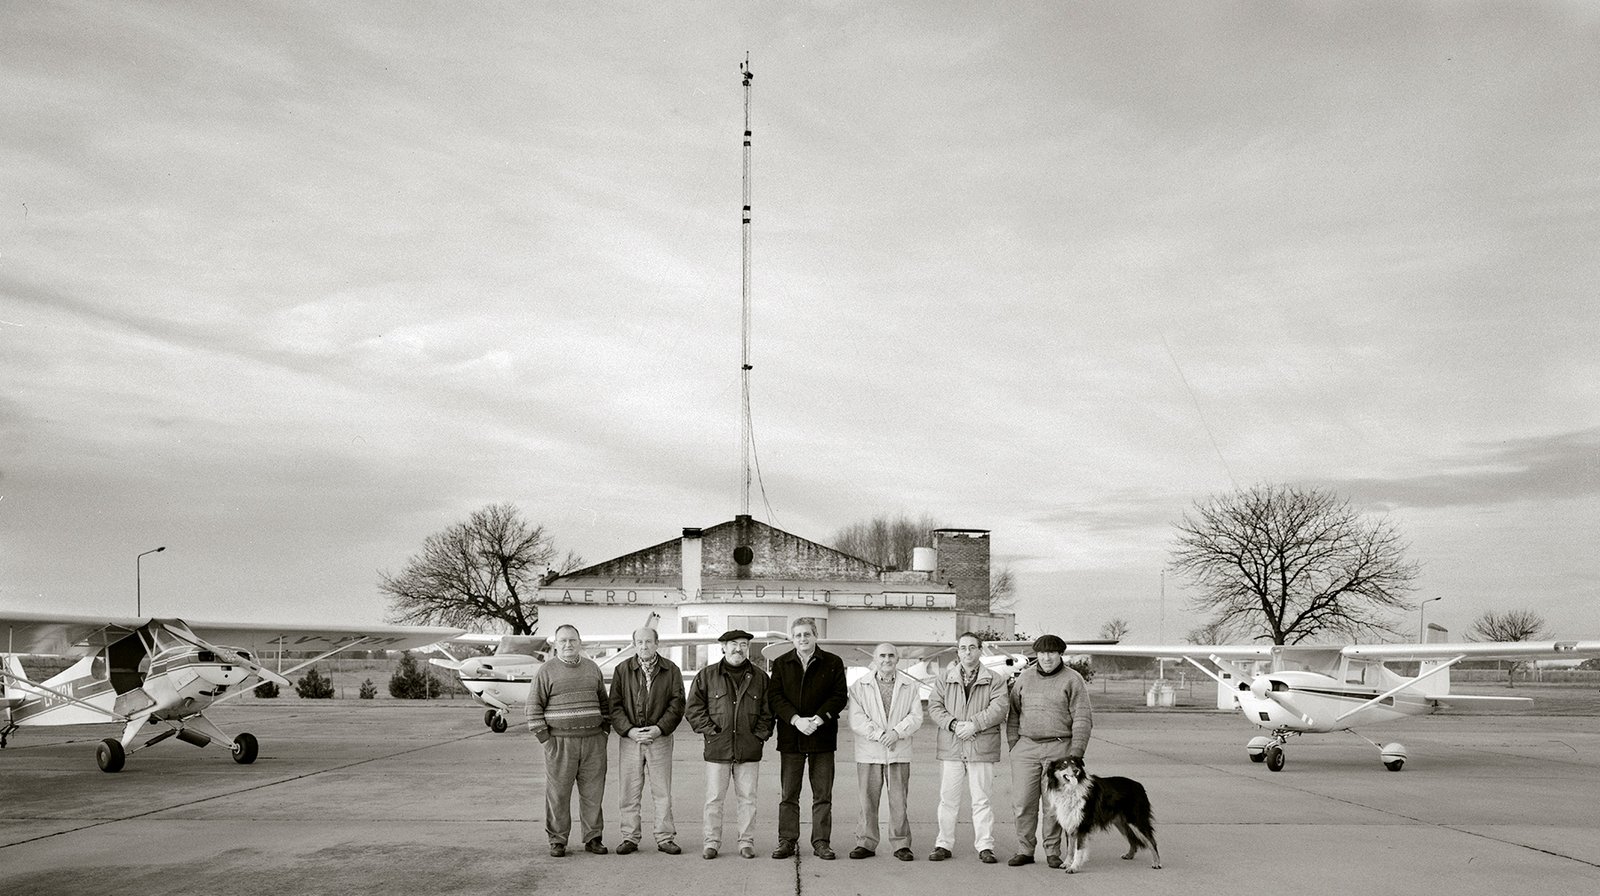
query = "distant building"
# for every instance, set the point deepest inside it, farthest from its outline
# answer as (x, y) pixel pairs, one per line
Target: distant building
(749, 575)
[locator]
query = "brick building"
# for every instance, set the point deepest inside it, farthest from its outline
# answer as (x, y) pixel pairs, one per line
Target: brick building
(746, 574)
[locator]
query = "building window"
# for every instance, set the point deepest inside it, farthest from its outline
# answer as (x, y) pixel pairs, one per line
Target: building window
(757, 624)
(696, 657)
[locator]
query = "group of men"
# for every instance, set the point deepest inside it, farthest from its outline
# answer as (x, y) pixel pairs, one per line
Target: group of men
(1044, 714)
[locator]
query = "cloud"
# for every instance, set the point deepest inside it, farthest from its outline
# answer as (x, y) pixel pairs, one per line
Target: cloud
(1559, 467)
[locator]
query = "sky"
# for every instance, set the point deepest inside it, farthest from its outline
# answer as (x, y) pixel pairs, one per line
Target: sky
(286, 288)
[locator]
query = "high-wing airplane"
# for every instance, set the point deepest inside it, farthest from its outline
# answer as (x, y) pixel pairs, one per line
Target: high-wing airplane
(500, 680)
(161, 673)
(1315, 689)
(922, 660)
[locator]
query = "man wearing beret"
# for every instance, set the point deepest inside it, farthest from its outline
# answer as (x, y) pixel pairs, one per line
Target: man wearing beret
(1050, 719)
(728, 706)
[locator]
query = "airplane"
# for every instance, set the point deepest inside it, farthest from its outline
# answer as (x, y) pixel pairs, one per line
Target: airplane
(141, 672)
(926, 659)
(1292, 690)
(500, 680)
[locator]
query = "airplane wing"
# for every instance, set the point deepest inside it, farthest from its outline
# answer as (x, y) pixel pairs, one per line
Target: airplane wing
(82, 635)
(55, 635)
(858, 651)
(1483, 650)
(1156, 651)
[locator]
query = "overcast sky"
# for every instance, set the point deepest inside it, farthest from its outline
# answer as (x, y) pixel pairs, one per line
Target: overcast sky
(288, 287)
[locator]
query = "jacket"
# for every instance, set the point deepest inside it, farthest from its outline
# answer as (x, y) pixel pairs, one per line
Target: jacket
(868, 719)
(818, 690)
(1051, 707)
(988, 706)
(735, 722)
(632, 707)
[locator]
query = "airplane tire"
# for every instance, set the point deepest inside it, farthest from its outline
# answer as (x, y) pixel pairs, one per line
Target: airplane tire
(498, 726)
(1394, 765)
(489, 717)
(245, 748)
(110, 755)
(1275, 759)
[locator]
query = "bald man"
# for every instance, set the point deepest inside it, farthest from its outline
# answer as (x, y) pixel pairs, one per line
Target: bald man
(885, 709)
(646, 707)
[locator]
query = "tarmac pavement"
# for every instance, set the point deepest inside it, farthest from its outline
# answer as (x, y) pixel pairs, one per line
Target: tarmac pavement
(355, 797)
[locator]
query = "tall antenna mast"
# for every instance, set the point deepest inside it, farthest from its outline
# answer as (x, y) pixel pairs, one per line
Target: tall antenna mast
(744, 335)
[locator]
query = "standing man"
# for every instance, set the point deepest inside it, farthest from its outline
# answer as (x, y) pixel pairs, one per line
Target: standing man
(728, 706)
(646, 707)
(885, 710)
(1050, 720)
(967, 707)
(809, 693)
(569, 711)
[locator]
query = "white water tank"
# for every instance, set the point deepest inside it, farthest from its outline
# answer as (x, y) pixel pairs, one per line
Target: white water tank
(924, 559)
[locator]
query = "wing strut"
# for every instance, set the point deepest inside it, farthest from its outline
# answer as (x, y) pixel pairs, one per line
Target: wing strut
(1402, 686)
(61, 695)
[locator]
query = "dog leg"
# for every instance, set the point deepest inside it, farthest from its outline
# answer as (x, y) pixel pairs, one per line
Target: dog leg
(1133, 839)
(1080, 853)
(1155, 854)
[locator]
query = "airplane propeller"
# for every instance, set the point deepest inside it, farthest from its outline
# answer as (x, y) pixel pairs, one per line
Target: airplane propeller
(181, 631)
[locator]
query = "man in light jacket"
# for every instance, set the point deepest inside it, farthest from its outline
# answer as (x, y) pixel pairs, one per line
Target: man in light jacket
(967, 708)
(885, 709)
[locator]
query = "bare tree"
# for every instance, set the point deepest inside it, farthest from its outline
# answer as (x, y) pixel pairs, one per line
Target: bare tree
(1115, 629)
(1002, 590)
(482, 570)
(1512, 625)
(1213, 632)
(886, 541)
(1290, 564)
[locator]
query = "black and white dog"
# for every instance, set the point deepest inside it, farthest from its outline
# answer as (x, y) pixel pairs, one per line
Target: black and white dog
(1084, 803)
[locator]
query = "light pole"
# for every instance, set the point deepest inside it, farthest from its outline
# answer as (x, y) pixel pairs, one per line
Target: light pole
(1422, 613)
(138, 596)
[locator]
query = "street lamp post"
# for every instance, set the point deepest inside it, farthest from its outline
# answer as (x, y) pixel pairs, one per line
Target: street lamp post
(138, 596)
(1422, 613)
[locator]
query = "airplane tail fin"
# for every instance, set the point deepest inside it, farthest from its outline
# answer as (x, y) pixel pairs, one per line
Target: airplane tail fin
(11, 690)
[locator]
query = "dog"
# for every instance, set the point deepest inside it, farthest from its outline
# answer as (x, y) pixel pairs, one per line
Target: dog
(1084, 803)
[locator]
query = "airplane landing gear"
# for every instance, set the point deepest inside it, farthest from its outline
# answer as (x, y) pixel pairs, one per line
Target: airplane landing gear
(245, 748)
(110, 755)
(1270, 749)
(1394, 755)
(488, 718)
(499, 725)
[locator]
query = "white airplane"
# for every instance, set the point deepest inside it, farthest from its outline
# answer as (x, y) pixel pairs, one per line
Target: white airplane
(160, 672)
(1315, 689)
(500, 681)
(922, 660)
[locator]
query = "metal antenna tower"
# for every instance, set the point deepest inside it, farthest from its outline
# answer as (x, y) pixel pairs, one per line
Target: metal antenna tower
(744, 335)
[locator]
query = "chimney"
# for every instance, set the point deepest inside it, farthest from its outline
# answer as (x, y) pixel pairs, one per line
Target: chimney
(691, 563)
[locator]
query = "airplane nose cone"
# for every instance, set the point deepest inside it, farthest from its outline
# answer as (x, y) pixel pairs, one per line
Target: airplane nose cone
(471, 667)
(1261, 687)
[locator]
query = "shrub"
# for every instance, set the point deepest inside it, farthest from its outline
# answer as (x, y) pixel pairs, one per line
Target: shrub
(368, 690)
(314, 686)
(267, 689)
(411, 680)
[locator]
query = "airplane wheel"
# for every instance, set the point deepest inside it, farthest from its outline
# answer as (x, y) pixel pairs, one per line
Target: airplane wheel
(1275, 759)
(1256, 749)
(489, 717)
(498, 726)
(245, 748)
(1394, 765)
(110, 755)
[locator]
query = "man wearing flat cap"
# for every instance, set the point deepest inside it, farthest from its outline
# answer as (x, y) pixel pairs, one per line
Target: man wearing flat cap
(1050, 719)
(728, 707)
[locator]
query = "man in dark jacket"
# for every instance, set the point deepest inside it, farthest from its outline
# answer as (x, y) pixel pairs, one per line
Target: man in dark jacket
(809, 693)
(646, 707)
(728, 706)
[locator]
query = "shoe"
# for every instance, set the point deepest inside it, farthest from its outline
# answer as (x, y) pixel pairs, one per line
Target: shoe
(1053, 861)
(628, 846)
(557, 850)
(668, 847)
(710, 852)
(939, 854)
(825, 852)
(904, 855)
(1020, 859)
(986, 856)
(596, 847)
(747, 851)
(861, 852)
(785, 850)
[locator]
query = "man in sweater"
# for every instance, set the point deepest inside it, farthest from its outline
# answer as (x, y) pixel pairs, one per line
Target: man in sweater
(885, 710)
(646, 707)
(1050, 719)
(570, 713)
(809, 694)
(968, 707)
